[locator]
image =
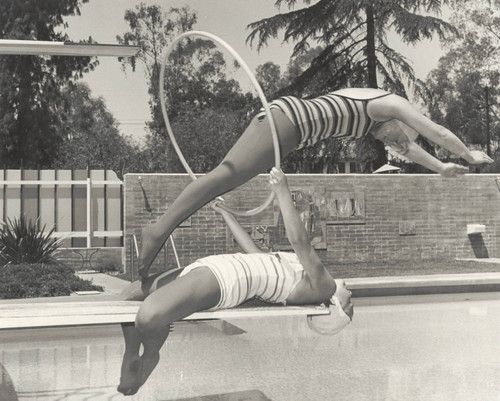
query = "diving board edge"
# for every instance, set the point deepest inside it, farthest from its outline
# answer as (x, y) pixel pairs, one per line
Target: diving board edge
(41, 48)
(41, 315)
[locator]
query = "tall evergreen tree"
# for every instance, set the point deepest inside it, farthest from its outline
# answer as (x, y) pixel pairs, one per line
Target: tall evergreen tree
(353, 36)
(30, 86)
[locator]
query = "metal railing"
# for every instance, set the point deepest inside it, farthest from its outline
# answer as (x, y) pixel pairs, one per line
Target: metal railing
(134, 254)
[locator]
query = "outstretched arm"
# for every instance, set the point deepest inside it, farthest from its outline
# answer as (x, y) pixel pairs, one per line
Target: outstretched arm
(240, 235)
(400, 109)
(416, 154)
(319, 278)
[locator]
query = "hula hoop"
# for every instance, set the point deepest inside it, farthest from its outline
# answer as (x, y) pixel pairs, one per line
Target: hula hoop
(256, 85)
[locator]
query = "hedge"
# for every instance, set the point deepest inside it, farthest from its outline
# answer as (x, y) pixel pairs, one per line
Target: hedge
(41, 280)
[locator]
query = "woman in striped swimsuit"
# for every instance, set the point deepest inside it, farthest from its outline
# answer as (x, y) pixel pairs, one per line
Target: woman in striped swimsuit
(347, 113)
(226, 281)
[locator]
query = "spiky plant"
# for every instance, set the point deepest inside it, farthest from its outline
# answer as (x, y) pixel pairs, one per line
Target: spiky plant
(22, 241)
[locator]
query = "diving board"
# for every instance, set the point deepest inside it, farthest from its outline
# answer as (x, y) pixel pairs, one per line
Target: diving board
(41, 48)
(60, 314)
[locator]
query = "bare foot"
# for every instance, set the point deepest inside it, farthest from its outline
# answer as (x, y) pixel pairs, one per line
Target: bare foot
(130, 379)
(136, 371)
(149, 362)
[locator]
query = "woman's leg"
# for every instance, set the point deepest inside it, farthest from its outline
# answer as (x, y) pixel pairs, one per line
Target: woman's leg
(131, 358)
(138, 291)
(252, 154)
(198, 290)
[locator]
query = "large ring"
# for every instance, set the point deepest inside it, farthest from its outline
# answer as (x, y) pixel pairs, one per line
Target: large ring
(259, 90)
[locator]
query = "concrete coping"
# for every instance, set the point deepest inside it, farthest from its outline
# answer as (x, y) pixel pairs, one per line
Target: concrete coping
(424, 280)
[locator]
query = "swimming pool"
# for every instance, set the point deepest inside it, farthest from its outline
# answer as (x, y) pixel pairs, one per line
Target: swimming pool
(428, 347)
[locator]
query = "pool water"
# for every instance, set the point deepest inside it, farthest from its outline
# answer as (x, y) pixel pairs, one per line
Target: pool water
(432, 347)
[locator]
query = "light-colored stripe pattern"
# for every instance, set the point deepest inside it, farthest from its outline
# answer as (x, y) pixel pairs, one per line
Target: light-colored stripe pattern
(326, 116)
(270, 277)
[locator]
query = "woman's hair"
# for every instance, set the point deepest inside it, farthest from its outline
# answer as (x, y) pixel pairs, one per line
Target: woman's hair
(395, 134)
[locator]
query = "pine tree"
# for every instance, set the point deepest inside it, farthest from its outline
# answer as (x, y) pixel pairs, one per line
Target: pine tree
(356, 51)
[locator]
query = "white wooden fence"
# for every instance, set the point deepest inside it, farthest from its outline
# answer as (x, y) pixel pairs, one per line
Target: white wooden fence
(84, 206)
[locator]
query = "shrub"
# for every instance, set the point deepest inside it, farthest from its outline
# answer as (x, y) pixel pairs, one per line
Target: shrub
(21, 241)
(40, 280)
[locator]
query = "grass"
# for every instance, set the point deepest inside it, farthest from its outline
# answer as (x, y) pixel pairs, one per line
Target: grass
(411, 268)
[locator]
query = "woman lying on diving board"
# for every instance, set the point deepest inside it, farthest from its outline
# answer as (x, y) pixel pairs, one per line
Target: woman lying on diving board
(226, 281)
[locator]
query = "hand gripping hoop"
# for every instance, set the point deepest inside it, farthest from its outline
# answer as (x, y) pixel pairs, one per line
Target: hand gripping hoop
(256, 85)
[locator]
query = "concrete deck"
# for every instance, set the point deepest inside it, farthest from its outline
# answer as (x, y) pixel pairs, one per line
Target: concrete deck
(426, 284)
(89, 308)
(360, 287)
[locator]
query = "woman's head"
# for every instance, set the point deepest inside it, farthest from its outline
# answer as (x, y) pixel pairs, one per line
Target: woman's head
(395, 134)
(341, 312)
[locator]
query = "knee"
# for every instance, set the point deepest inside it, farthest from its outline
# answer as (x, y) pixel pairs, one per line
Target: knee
(148, 320)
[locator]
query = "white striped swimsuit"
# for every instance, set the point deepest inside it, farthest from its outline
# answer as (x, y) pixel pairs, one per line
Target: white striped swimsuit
(269, 276)
(331, 115)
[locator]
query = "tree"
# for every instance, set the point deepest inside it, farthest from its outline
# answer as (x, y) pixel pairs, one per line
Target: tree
(463, 90)
(353, 36)
(152, 29)
(269, 77)
(90, 137)
(30, 86)
(205, 106)
(208, 111)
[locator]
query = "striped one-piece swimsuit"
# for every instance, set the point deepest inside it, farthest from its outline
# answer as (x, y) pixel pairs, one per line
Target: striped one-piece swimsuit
(269, 276)
(331, 115)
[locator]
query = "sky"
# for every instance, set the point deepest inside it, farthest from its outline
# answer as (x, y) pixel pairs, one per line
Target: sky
(125, 93)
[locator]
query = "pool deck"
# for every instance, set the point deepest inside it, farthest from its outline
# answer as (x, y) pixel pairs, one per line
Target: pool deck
(106, 307)
(425, 284)
(360, 287)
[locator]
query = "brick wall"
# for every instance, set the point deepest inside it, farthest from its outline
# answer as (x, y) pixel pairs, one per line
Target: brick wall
(405, 217)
